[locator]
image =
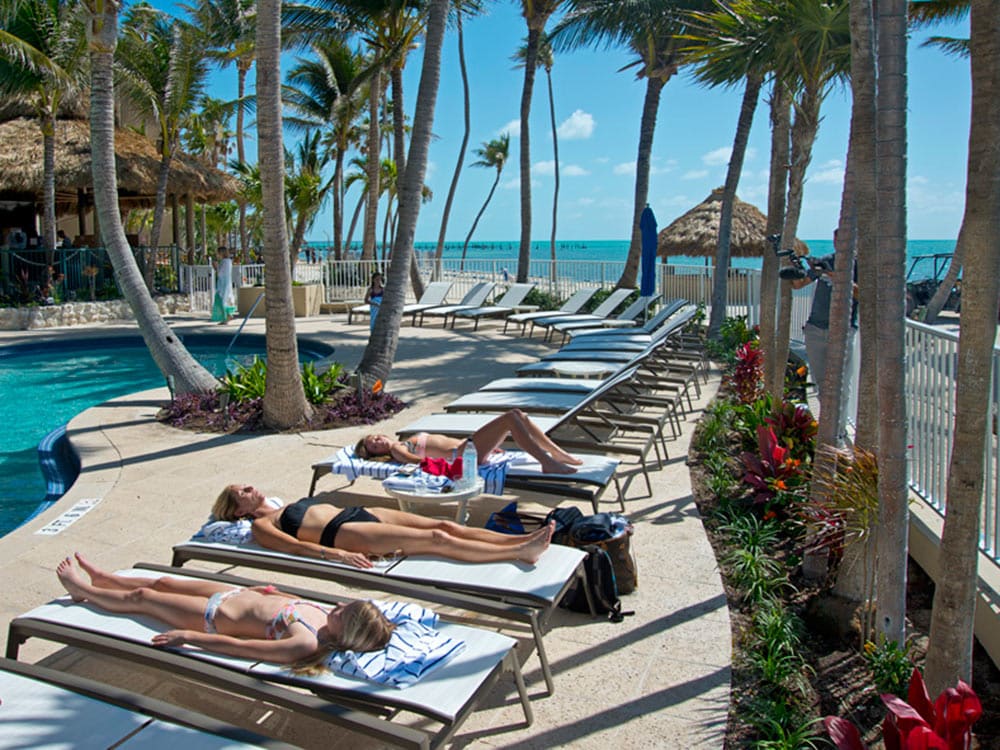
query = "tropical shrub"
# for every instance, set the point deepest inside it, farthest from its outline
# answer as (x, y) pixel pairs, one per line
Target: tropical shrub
(747, 377)
(795, 428)
(890, 665)
(319, 387)
(733, 333)
(772, 469)
(248, 382)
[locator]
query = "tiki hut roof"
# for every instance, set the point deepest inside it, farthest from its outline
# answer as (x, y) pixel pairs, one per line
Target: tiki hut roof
(138, 164)
(697, 231)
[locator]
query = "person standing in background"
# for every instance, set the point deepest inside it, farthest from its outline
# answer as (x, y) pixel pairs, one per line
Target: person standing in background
(224, 304)
(373, 297)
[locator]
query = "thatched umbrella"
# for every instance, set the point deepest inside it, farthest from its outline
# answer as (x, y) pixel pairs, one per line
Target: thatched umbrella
(136, 158)
(697, 231)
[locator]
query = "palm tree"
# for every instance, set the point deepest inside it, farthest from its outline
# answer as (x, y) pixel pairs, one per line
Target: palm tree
(206, 136)
(305, 189)
(949, 655)
(326, 91)
(652, 30)
(231, 27)
(545, 60)
(722, 49)
(376, 362)
(165, 74)
(492, 155)
(891, 187)
(42, 57)
(285, 403)
(462, 7)
(180, 369)
(536, 14)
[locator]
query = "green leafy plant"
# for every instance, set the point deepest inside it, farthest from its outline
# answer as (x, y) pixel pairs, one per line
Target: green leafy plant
(715, 426)
(733, 333)
(758, 575)
(890, 665)
(320, 387)
(747, 531)
(544, 300)
(248, 382)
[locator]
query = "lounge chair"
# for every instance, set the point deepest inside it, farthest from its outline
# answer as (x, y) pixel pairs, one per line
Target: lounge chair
(573, 305)
(474, 298)
(625, 319)
(505, 590)
(630, 333)
(602, 311)
(509, 303)
(434, 294)
(446, 695)
(43, 707)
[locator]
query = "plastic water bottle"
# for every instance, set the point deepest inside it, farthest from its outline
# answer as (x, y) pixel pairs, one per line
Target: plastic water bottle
(470, 466)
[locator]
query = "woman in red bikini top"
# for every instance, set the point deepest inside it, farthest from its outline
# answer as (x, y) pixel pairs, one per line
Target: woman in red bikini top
(259, 623)
(515, 425)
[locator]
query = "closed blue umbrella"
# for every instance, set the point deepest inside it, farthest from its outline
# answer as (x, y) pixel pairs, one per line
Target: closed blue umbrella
(647, 228)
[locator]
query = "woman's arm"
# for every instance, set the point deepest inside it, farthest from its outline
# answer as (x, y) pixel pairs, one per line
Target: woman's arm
(285, 651)
(404, 455)
(267, 534)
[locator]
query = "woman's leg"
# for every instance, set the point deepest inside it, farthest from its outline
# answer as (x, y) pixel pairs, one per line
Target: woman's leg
(528, 437)
(384, 538)
(104, 580)
(182, 611)
(414, 521)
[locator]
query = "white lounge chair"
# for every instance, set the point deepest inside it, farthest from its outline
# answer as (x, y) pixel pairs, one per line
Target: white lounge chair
(45, 708)
(573, 305)
(601, 312)
(625, 319)
(446, 695)
(475, 297)
(509, 303)
(635, 333)
(434, 294)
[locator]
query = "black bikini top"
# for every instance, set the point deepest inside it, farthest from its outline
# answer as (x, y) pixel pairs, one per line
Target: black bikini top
(291, 517)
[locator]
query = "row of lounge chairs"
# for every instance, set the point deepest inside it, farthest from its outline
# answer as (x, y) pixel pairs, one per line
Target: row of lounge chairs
(601, 416)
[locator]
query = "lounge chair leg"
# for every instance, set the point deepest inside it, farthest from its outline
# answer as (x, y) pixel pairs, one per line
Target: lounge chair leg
(543, 658)
(522, 691)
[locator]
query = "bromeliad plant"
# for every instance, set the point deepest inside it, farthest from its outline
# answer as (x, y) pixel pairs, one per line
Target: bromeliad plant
(918, 724)
(747, 378)
(772, 469)
(795, 428)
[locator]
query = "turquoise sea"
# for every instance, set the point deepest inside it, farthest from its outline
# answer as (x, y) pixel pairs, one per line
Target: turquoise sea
(617, 250)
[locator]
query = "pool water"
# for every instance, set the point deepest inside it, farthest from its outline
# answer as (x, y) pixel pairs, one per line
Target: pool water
(43, 386)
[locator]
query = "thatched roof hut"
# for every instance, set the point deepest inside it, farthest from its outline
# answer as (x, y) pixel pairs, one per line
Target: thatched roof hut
(137, 160)
(697, 231)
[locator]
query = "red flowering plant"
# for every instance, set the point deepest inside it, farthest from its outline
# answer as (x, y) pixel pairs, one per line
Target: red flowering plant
(796, 429)
(772, 471)
(918, 724)
(747, 378)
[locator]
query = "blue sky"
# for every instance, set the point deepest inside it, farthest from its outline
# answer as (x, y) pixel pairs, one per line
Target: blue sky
(598, 110)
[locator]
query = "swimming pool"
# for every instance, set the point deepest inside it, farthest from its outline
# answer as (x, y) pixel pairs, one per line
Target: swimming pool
(45, 384)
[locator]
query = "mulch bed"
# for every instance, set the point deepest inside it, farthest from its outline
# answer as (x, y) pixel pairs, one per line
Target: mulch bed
(841, 684)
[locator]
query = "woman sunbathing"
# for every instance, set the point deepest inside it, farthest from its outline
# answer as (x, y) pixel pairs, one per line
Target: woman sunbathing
(313, 528)
(515, 424)
(258, 623)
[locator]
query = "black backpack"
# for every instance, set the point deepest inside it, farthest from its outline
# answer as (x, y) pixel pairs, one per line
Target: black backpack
(601, 584)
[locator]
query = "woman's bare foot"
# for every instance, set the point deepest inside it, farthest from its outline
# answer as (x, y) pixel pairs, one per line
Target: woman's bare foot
(71, 580)
(98, 577)
(533, 549)
(567, 458)
(552, 466)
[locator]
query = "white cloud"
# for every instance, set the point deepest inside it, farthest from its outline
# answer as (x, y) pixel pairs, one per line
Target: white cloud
(512, 128)
(717, 158)
(627, 167)
(695, 174)
(585, 201)
(831, 173)
(578, 126)
(574, 170)
(543, 167)
(549, 168)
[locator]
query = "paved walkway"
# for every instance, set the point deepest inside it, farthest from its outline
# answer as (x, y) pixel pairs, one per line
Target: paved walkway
(659, 679)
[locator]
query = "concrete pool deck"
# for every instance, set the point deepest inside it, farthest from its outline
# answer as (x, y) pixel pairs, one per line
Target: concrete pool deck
(658, 679)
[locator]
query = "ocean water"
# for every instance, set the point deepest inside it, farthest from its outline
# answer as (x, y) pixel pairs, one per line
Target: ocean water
(918, 267)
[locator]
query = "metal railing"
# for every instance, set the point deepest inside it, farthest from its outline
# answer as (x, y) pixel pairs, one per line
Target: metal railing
(931, 369)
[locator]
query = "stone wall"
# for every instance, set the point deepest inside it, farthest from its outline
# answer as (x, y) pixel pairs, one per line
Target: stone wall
(83, 313)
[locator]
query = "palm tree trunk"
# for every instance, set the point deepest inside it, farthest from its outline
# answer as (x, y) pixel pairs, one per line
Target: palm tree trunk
(242, 68)
(530, 60)
(555, 188)
(49, 185)
(863, 144)
(177, 365)
(778, 181)
(943, 292)
(373, 166)
(650, 108)
(376, 362)
(891, 185)
(720, 282)
(338, 205)
(285, 403)
(949, 655)
(354, 222)
(189, 228)
(803, 137)
(159, 206)
(446, 212)
(475, 222)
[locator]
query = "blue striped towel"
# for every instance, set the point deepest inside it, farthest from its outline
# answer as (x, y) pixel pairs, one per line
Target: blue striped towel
(346, 462)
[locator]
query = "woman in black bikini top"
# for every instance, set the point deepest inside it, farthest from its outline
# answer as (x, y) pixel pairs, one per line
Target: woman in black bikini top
(312, 528)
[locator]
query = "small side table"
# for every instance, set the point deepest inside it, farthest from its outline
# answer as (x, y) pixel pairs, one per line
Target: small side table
(411, 501)
(570, 369)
